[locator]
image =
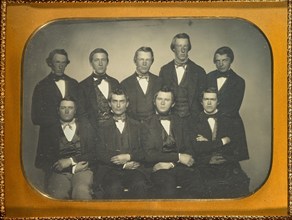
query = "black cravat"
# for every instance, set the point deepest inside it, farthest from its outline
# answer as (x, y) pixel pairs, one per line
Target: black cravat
(119, 118)
(211, 115)
(164, 117)
(224, 74)
(144, 76)
(57, 78)
(98, 79)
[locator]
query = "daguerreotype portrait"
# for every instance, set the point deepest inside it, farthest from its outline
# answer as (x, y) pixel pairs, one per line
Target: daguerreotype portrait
(136, 110)
(117, 111)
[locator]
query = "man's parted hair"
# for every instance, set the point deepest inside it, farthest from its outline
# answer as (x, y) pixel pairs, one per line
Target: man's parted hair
(118, 91)
(98, 50)
(68, 98)
(180, 36)
(49, 60)
(144, 49)
(209, 90)
(224, 50)
(165, 89)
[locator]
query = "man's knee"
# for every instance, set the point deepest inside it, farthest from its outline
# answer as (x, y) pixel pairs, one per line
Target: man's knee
(82, 192)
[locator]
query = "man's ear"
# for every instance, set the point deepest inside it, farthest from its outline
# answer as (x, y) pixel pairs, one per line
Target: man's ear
(173, 104)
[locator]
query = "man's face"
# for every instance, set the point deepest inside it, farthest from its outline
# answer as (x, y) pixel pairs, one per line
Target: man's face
(210, 102)
(99, 63)
(222, 62)
(67, 110)
(181, 49)
(59, 63)
(118, 104)
(164, 102)
(143, 62)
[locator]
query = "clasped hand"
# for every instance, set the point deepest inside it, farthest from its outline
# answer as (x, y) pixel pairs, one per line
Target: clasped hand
(162, 166)
(62, 164)
(217, 159)
(186, 159)
(121, 159)
(131, 165)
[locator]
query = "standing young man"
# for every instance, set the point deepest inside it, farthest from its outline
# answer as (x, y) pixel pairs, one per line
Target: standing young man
(184, 77)
(95, 89)
(231, 88)
(141, 86)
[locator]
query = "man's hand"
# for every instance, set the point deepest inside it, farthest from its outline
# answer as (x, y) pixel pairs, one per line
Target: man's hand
(132, 165)
(81, 166)
(186, 159)
(201, 138)
(217, 159)
(162, 166)
(121, 159)
(225, 140)
(62, 164)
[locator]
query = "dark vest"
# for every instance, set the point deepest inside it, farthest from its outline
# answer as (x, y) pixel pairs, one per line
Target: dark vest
(181, 107)
(169, 145)
(144, 107)
(104, 110)
(122, 140)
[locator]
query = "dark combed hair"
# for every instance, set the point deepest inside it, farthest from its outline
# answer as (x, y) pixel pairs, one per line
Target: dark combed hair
(144, 49)
(165, 88)
(53, 53)
(180, 36)
(209, 90)
(98, 50)
(69, 98)
(118, 91)
(224, 50)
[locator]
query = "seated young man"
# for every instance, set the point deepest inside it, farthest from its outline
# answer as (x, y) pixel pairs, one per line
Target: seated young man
(66, 153)
(215, 141)
(120, 153)
(167, 146)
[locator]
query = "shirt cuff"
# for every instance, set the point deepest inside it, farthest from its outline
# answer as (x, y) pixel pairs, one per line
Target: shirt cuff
(73, 169)
(172, 165)
(72, 161)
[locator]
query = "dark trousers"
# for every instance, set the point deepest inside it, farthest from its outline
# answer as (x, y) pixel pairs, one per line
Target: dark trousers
(115, 181)
(225, 180)
(166, 181)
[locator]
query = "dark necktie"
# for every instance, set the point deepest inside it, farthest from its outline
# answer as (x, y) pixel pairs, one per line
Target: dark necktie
(119, 118)
(144, 76)
(98, 79)
(224, 74)
(57, 78)
(164, 117)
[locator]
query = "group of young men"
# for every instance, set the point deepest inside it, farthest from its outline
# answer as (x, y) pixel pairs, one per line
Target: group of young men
(176, 135)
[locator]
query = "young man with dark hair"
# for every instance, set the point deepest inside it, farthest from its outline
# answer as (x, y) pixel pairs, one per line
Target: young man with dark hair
(120, 153)
(66, 154)
(215, 142)
(184, 77)
(167, 144)
(141, 86)
(96, 88)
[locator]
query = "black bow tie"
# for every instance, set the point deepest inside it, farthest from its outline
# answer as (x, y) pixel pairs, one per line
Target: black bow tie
(210, 116)
(164, 117)
(119, 118)
(57, 78)
(224, 74)
(144, 76)
(98, 79)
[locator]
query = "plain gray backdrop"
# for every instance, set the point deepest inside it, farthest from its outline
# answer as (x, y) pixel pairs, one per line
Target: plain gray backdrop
(121, 38)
